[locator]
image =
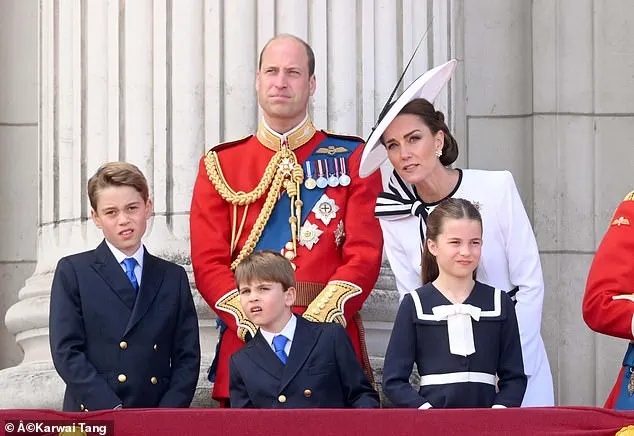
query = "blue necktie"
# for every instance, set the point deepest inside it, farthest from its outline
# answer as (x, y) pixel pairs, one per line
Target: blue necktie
(279, 342)
(130, 263)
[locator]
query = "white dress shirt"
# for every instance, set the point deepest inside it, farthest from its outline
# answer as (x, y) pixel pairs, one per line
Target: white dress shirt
(138, 256)
(288, 331)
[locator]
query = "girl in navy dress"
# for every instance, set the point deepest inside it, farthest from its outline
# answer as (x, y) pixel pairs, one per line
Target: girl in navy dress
(462, 334)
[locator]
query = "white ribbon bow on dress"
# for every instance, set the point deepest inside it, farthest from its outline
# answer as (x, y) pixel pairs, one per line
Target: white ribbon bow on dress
(459, 326)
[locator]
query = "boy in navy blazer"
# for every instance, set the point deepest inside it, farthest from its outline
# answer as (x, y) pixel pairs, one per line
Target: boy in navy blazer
(291, 362)
(123, 327)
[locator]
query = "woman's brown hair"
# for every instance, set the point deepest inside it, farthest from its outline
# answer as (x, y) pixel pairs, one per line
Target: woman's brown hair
(450, 208)
(435, 120)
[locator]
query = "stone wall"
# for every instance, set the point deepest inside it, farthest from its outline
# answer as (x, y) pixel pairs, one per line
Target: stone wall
(542, 88)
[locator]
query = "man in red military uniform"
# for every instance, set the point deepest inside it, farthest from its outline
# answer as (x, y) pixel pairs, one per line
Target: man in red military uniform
(293, 189)
(608, 304)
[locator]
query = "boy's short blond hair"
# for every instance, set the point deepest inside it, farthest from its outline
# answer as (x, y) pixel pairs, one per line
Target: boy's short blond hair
(266, 266)
(117, 174)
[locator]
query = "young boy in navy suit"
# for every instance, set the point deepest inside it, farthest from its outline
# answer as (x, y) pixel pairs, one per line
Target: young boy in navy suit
(291, 362)
(123, 328)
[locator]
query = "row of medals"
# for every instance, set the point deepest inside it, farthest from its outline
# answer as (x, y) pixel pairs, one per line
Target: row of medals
(326, 172)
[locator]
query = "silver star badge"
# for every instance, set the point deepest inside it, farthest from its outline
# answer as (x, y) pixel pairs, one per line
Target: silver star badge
(325, 209)
(309, 235)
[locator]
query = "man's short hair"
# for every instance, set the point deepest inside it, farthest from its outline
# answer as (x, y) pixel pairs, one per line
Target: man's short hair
(116, 174)
(309, 51)
(266, 266)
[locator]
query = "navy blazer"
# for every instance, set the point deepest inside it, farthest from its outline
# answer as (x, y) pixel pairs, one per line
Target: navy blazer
(322, 370)
(112, 346)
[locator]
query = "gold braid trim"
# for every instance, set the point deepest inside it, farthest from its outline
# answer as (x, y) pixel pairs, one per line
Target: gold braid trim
(272, 181)
(626, 431)
(329, 304)
(260, 222)
(230, 303)
(214, 171)
(629, 197)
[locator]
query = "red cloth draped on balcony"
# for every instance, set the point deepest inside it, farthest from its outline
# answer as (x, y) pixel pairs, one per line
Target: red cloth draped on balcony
(562, 421)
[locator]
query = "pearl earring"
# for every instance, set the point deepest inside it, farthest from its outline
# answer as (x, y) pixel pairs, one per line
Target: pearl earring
(438, 153)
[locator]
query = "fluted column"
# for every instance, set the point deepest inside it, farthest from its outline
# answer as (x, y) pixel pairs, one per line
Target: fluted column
(118, 81)
(155, 83)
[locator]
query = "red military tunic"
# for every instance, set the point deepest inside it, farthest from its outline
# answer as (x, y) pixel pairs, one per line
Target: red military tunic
(608, 303)
(347, 255)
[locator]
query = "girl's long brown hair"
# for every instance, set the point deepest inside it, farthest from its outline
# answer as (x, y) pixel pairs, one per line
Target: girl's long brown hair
(450, 208)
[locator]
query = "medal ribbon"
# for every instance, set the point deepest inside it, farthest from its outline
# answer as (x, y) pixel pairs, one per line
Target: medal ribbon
(277, 231)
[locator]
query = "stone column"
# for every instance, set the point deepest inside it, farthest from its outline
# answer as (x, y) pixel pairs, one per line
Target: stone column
(155, 83)
(118, 81)
(34, 383)
(18, 139)
(584, 108)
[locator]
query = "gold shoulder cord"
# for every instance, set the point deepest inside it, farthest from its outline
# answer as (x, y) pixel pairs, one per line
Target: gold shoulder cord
(282, 170)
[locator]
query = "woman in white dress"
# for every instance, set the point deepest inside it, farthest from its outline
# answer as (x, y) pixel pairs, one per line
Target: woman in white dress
(417, 141)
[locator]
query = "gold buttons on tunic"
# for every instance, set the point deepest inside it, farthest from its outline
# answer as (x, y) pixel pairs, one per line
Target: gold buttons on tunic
(307, 393)
(122, 378)
(282, 398)
(289, 255)
(155, 347)
(289, 245)
(82, 407)
(123, 345)
(154, 380)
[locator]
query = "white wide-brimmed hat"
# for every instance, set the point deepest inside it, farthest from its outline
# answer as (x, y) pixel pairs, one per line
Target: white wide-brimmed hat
(427, 86)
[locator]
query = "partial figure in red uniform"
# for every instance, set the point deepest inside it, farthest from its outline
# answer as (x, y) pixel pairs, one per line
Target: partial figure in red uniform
(292, 189)
(608, 304)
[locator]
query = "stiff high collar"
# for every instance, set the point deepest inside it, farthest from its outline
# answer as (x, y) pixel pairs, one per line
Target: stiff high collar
(296, 137)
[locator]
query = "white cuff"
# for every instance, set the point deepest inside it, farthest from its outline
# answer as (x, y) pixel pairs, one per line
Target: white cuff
(498, 406)
(624, 297)
(425, 406)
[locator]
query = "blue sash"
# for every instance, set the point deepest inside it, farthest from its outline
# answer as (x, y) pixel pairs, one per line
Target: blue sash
(625, 401)
(277, 231)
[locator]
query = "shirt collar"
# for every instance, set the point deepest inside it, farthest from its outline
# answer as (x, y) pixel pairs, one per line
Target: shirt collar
(119, 255)
(296, 137)
(288, 331)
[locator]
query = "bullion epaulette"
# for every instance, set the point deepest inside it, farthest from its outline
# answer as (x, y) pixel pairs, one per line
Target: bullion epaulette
(342, 136)
(328, 306)
(629, 197)
(230, 303)
(224, 145)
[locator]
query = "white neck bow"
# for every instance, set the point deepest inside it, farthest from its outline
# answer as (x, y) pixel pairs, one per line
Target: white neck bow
(459, 326)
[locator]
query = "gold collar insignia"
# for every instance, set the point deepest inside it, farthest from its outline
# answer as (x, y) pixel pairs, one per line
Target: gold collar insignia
(621, 221)
(331, 150)
(296, 137)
